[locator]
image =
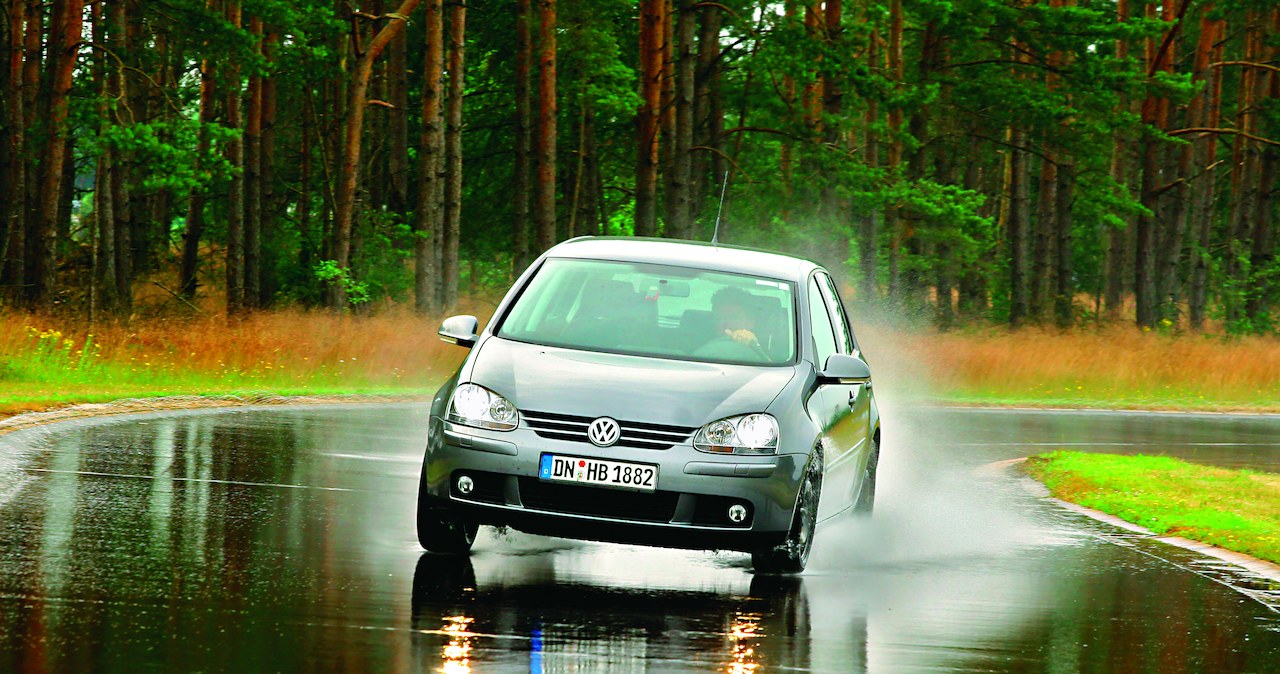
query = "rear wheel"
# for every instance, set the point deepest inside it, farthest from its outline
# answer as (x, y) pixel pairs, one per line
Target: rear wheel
(792, 554)
(867, 493)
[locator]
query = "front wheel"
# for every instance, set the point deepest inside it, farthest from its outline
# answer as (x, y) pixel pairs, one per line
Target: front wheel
(792, 554)
(440, 530)
(445, 533)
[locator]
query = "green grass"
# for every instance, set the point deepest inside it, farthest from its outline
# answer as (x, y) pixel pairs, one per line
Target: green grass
(1234, 509)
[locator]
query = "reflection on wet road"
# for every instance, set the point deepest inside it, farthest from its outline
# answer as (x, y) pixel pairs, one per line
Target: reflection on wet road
(283, 540)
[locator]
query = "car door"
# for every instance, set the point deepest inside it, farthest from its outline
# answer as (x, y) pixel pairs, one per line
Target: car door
(853, 430)
(829, 408)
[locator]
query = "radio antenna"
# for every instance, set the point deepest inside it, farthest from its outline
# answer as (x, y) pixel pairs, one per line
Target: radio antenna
(715, 235)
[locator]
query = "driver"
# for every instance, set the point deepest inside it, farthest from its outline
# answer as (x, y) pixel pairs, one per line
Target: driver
(733, 316)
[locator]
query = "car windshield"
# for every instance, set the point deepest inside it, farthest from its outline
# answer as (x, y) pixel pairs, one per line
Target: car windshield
(656, 310)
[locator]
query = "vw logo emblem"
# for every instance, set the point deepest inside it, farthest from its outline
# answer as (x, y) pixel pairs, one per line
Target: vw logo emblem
(603, 432)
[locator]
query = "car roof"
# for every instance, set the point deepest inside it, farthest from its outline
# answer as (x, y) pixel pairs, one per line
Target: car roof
(681, 253)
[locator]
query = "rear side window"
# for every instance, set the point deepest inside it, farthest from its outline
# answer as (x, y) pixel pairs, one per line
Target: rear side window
(824, 339)
(844, 335)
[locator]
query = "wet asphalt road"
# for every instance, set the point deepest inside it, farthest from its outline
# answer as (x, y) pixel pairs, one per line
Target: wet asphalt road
(282, 540)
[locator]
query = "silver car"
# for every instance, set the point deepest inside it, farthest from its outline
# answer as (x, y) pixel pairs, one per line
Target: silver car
(655, 392)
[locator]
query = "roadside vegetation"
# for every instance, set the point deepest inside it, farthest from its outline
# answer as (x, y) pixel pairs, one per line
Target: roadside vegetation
(47, 361)
(1108, 367)
(1234, 509)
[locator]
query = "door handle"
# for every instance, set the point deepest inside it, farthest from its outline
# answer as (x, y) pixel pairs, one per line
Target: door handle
(853, 398)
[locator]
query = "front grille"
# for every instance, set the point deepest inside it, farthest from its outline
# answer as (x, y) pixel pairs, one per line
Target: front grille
(657, 506)
(635, 434)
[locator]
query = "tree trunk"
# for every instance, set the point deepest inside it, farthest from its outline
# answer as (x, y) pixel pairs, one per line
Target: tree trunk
(33, 41)
(236, 190)
(104, 296)
(590, 203)
(1144, 287)
(357, 97)
(1045, 237)
(67, 20)
(579, 169)
(430, 164)
(1263, 235)
(188, 281)
(682, 153)
(1185, 193)
(14, 181)
(118, 40)
(706, 163)
(1204, 188)
(267, 283)
(520, 257)
(453, 153)
(1064, 294)
(253, 178)
(869, 221)
(544, 136)
(306, 249)
(893, 223)
(667, 118)
(1170, 229)
(1017, 229)
(398, 131)
(832, 91)
(647, 129)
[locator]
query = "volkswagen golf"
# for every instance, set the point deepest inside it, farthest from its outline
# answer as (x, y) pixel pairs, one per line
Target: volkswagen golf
(655, 392)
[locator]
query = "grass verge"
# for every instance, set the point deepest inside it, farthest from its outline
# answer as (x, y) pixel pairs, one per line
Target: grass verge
(1234, 509)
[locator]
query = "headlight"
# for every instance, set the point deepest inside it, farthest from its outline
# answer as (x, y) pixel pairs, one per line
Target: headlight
(746, 434)
(478, 406)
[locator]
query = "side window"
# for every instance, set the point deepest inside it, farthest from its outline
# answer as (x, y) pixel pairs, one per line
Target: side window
(844, 335)
(824, 339)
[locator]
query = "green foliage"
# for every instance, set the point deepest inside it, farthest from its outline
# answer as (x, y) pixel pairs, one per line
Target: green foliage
(167, 151)
(328, 271)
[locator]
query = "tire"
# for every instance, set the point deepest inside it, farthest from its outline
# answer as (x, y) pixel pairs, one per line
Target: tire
(440, 530)
(444, 533)
(866, 502)
(793, 553)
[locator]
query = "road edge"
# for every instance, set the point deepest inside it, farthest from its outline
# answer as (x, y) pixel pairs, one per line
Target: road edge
(27, 420)
(1254, 565)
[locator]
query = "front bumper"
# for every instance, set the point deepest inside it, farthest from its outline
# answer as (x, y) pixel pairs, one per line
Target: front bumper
(688, 510)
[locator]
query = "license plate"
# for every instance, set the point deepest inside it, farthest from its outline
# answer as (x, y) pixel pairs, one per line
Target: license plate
(637, 476)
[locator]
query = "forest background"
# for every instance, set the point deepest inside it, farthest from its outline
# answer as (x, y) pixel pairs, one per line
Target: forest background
(1065, 163)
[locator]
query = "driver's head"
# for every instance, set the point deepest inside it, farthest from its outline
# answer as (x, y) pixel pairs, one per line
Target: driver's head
(732, 309)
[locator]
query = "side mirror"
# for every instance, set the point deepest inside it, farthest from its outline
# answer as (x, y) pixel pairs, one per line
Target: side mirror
(460, 330)
(845, 369)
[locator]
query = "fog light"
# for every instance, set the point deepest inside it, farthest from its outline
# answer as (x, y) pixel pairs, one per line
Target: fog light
(737, 513)
(466, 485)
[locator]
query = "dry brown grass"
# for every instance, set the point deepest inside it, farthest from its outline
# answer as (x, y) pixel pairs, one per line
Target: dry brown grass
(1116, 364)
(302, 351)
(393, 348)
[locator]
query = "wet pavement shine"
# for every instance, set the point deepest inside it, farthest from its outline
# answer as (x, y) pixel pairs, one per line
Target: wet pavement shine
(282, 540)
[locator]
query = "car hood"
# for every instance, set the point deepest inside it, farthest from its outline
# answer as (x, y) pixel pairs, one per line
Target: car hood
(628, 388)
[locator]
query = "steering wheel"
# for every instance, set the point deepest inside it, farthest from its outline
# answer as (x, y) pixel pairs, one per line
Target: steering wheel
(729, 348)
